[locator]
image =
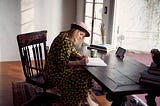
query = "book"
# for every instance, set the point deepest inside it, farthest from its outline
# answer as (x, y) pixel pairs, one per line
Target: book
(90, 47)
(102, 47)
(153, 69)
(147, 81)
(96, 62)
(153, 65)
(147, 75)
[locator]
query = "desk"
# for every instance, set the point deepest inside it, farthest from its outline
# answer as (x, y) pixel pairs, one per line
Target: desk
(119, 77)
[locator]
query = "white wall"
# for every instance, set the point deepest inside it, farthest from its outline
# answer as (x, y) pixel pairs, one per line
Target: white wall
(9, 28)
(80, 10)
(51, 15)
(54, 15)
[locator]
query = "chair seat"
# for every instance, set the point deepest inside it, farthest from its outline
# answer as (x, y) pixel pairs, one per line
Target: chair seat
(38, 80)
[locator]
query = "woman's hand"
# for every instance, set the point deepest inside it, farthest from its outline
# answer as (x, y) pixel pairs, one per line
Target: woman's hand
(84, 56)
(83, 61)
(79, 56)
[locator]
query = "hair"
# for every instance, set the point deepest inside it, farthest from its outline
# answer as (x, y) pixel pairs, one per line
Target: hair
(72, 34)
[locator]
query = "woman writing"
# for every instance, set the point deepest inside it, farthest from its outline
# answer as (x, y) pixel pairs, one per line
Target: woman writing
(63, 62)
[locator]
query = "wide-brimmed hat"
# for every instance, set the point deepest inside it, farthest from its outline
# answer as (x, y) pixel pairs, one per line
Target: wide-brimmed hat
(81, 26)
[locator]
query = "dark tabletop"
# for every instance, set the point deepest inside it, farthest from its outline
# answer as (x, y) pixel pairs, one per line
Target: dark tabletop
(119, 76)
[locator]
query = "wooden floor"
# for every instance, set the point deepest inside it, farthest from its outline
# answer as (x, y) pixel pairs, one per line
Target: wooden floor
(12, 71)
(9, 71)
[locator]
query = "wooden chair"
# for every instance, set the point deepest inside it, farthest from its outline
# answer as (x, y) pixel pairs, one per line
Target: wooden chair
(33, 53)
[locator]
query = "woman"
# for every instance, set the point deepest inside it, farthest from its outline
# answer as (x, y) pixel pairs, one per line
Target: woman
(63, 65)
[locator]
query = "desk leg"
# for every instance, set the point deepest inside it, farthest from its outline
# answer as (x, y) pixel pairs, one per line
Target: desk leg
(116, 101)
(150, 98)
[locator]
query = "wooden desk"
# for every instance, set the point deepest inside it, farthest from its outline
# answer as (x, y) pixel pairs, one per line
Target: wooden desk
(119, 77)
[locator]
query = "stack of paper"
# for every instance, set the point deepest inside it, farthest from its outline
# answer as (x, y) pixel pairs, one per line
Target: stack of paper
(96, 62)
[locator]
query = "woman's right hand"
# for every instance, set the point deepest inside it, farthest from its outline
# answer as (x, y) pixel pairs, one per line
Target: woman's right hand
(83, 61)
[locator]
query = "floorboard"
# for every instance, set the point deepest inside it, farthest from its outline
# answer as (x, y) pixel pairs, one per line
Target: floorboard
(9, 71)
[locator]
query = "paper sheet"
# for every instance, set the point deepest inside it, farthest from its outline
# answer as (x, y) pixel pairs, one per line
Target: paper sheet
(96, 62)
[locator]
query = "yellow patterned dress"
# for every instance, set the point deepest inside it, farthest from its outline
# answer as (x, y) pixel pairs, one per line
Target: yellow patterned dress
(73, 84)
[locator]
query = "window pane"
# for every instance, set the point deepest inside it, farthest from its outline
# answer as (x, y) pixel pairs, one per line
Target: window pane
(97, 39)
(98, 10)
(88, 11)
(99, 1)
(88, 22)
(97, 32)
(87, 40)
(89, 0)
(97, 26)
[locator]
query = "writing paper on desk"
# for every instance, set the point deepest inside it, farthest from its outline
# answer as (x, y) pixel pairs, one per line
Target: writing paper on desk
(96, 62)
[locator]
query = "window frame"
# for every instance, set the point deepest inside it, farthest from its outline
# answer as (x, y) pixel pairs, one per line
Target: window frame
(93, 19)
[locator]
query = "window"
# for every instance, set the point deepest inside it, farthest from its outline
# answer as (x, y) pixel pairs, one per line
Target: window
(93, 19)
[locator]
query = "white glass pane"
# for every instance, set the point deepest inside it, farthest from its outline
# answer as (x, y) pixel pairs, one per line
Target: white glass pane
(99, 1)
(89, 0)
(87, 40)
(88, 11)
(88, 22)
(98, 10)
(97, 26)
(97, 39)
